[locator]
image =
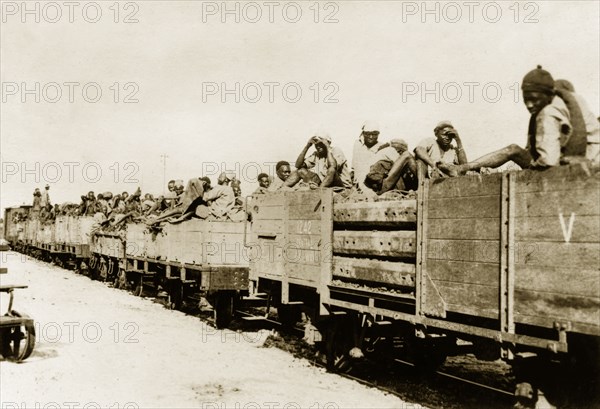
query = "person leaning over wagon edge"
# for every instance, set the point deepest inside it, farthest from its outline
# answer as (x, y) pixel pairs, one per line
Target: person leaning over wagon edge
(394, 168)
(561, 130)
(326, 167)
(439, 150)
(282, 173)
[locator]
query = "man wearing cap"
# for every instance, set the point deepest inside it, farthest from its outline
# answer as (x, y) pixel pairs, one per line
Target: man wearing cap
(364, 152)
(282, 172)
(393, 168)
(561, 129)
(439, 150)
(326, 167)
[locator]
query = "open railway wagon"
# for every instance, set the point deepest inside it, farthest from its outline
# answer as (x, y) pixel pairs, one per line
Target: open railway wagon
(107, 250)
(71, 246)
(15, 219)
(509, 262)
(188, 262)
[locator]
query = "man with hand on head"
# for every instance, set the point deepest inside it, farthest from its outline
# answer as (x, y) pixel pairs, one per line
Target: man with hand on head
(325, 167)
(439, 150)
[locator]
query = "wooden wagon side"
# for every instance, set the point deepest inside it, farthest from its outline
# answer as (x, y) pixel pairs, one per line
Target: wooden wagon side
(291, 244)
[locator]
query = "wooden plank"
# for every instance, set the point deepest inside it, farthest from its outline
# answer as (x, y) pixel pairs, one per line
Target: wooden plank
(228, 227)
(304, 226)
(308, 197)
(463, 272)
(465, 207)
(305, 241)
(473, 311)
(376, 271)
(267, 212)
(375, 243)
(573, 255)
(306, 274)
(480, 251)
(579, 202)
(270, 199)
(559, 279)
(308, 211)
(267, 227)
(559, 178)
(465, 186)
(557, 307)
(302, 256)
(474, 296)
(575, 228)
(376, 213)
(476, 229)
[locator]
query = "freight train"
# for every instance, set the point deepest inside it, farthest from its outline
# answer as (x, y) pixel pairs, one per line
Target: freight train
(505, 266)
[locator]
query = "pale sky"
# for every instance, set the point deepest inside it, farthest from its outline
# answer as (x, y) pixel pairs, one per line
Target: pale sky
(375, 63)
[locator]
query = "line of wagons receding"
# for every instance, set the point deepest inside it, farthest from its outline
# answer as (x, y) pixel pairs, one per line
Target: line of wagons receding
(508, 262)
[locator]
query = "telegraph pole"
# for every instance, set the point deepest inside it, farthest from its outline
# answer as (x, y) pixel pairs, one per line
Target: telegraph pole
(164, 157)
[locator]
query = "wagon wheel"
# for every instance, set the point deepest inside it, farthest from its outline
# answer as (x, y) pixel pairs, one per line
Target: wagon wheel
(175, 299)
(288, 315)
(223, 309)
(103, 270)
(18, 341)
(338, 344)
(121, 281)
(138, 290)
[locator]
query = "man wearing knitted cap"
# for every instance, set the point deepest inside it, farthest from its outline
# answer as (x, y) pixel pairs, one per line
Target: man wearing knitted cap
(439, 150)
(393, 168)
(326, 167)
(561, 129)
(364, 152)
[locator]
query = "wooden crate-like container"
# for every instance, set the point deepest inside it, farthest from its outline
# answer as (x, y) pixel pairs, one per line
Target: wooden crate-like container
(522, 247)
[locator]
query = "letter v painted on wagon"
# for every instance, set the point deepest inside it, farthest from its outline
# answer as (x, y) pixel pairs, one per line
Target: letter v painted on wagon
(566, 231)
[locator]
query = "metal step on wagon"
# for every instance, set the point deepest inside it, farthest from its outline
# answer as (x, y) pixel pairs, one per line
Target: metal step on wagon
(17, 332)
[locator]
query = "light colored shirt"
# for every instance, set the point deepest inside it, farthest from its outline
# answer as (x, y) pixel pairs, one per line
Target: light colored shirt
(553, 130)
(220, 199)
(362, 159)
(437, 154)
(388, 154)
(319, 166)
(276, 184)
(45, 199)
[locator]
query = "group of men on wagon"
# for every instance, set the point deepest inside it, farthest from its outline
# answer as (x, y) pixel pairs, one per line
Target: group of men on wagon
(562, 130)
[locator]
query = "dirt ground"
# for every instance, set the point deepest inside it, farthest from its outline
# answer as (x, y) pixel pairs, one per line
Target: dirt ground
(102, 347)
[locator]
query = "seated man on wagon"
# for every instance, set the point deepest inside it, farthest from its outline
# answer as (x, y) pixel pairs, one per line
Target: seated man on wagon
(363, 155)
(440, 150)
(562, 130)
(220, 199)
(282, 173)
(326, 167)
(394, 168)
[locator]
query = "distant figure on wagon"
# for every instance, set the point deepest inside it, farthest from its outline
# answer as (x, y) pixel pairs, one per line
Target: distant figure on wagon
(363, 154)
(282, 173)
(264, 181)
(561, 129)
(394, 168)
(439, 150)
(220, 199)
(326, 167)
